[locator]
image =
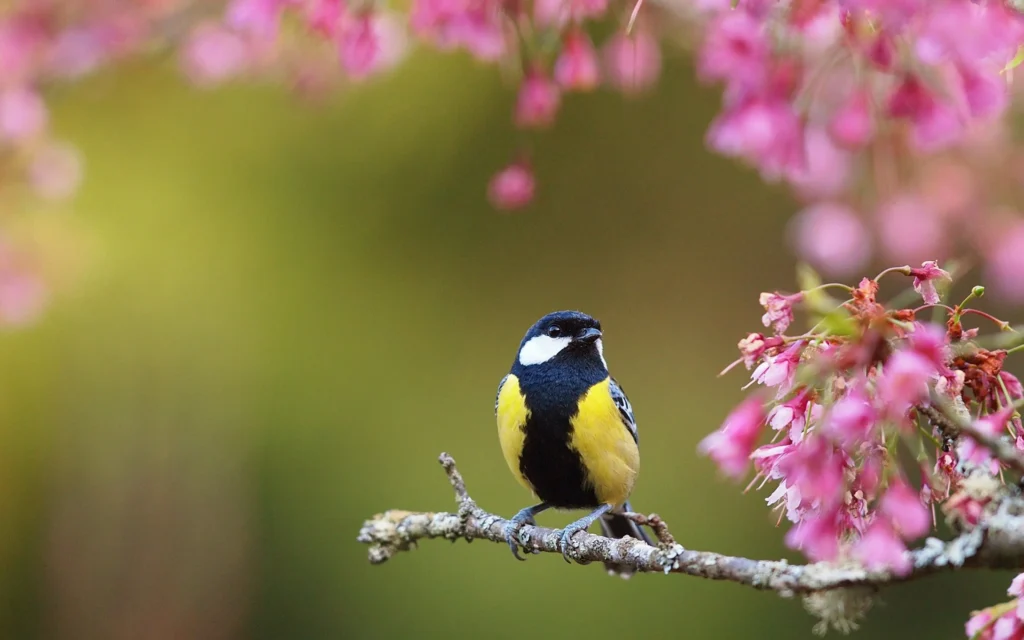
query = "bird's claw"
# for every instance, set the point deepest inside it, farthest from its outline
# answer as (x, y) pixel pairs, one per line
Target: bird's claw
(512, 533)
(565, 542)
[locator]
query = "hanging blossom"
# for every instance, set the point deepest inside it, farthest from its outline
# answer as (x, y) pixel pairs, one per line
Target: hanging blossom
(889, 121)
(834, 414)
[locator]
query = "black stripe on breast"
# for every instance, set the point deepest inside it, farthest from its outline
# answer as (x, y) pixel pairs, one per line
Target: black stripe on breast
(554, 470)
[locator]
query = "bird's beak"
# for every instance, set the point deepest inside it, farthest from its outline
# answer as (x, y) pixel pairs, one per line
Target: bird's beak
(588, 336)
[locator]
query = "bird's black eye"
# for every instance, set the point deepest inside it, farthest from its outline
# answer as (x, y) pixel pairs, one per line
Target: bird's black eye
(554, 331)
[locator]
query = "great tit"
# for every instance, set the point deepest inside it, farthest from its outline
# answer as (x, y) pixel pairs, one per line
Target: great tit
(567, 430)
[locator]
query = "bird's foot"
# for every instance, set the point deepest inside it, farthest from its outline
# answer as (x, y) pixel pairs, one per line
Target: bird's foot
(582, 524)
(525, 516)
(566, 540)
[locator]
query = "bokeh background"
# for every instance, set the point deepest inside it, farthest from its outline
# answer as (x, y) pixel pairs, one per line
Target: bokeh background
(276, 315)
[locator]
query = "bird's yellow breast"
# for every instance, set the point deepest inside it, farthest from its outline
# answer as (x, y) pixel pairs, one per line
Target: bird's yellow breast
(609, 453)
(512, 414)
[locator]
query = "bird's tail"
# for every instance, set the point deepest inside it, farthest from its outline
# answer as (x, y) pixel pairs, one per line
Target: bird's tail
(614, 525)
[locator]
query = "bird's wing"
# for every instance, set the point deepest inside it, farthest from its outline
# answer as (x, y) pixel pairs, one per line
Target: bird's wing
(625, 409)
(498, 395)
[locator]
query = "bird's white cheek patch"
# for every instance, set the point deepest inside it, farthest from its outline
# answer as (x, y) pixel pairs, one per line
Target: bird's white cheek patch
(541, 349)
(600, 352)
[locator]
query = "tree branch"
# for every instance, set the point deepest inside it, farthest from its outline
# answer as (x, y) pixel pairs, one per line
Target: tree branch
(945, 416)
(997, 543)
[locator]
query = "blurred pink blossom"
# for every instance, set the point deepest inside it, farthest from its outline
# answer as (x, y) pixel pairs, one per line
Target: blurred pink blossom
(817, 537)
(538, 101)
(23, 114)
(880, 548)
(825, 170)
(831, 237)
(213, 54)
(577, 67)
(512, 187)
(730, 447)
(632, 63)
(853, 124)
(905, 511)
(1005, 269)
(909, 231)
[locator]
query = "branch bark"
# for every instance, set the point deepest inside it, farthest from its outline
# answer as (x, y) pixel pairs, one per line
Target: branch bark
(996, 543)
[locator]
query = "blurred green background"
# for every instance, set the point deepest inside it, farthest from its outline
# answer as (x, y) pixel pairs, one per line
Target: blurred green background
(283, 313)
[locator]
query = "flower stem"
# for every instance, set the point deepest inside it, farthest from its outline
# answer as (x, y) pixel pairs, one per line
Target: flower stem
(1003, 325)
(905, 270)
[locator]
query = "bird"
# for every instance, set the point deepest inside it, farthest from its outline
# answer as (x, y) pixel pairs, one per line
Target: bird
(567, 431)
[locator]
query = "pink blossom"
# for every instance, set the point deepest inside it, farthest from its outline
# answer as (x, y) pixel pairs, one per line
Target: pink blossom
(852, 418)
(905, 511)
(1013, 387)
(22, 40)
(766, 458)
(258, 17)
(1006, 263)
(853, 124)
(778, 371)
(909, 231)
(213, 54)
(893, 14)
(831, 237)
(23, 295)
(978, 627)
(359, 46)
(475, 26)
(512, 187)
(22, 114)
(1008, 627)
(826, 171)
(324, 16)
(985, 93)
(538, 100)
(56, 171)
(735, 50)
(994, 425)
(1016, 587)
(817, 537)
(78, 51)
(881, 549)
(934, 123)
(778, 309)
(924, 280)
(632, 63)
(556, 13)
(730, 447)
(967, 509)
(932, 342)
(765, 131)
(794, 414)
(904, 381)
(816, 468)
(577, 66)
(753, 347)
(963, 31)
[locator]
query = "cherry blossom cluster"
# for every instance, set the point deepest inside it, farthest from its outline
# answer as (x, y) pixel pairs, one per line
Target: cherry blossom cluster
(834, 410)
(889, 120)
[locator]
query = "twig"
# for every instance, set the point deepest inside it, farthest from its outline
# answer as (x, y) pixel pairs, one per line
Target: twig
(998, 543)
(945, 418)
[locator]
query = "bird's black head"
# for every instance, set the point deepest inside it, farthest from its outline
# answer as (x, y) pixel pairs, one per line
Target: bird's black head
(563, 337)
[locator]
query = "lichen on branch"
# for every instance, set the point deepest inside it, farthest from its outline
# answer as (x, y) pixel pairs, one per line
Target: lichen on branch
(996, 543)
